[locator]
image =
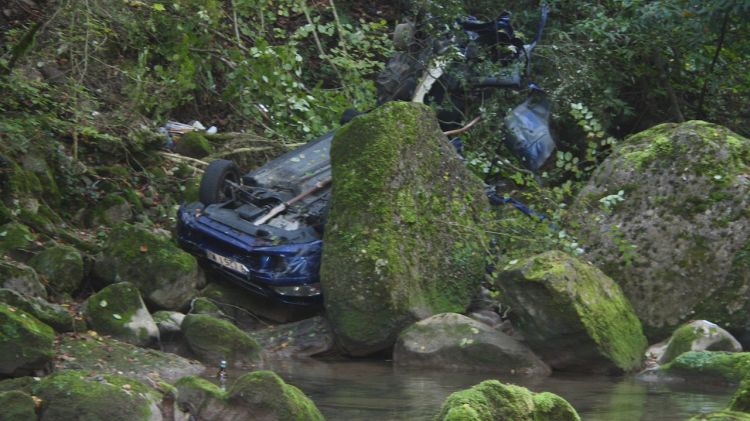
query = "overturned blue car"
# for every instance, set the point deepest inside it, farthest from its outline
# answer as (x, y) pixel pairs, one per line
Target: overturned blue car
(263, 229)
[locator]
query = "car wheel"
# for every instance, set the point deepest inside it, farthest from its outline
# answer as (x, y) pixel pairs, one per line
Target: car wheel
(214, 188)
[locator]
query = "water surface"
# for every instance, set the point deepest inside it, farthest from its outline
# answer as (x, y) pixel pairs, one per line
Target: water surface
(366, 390)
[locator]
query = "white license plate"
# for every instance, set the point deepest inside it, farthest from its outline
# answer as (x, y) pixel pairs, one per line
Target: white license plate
(226, 262)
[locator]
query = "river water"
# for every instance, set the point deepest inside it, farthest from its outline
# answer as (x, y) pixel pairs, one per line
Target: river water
(369, 390)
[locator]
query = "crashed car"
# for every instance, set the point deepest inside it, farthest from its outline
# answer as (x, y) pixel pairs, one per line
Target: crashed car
(264, 229)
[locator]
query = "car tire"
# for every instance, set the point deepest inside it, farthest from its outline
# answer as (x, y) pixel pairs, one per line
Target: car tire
(213, 187)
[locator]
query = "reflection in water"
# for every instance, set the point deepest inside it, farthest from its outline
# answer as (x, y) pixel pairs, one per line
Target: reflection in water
(359, 390)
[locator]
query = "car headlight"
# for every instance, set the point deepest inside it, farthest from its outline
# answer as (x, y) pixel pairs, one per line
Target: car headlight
(309, 290)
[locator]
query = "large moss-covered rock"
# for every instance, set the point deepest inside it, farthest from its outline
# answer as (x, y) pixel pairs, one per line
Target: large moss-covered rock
(25, 342)
(17, 406)
(118, 310)
(54, 315)
(21, 278)
(679, 241)
(213, 340)
(167, 276)
(450, 340)
(93, 352)
(403, 239)
(61, 266)
(493, 401)
(572, 314)
(730, 367)
(81, 395)
(698, 335)
(263, 395)
(194, 145)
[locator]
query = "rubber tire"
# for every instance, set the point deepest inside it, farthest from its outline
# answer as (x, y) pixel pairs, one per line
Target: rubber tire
(213, 189)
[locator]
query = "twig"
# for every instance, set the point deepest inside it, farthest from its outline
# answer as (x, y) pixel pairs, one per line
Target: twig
(234, 21)
(317, 41)
(464, 128)
(241, 150)
(180, 158)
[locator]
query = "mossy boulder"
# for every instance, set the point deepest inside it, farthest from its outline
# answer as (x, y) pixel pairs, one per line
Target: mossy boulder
(194, 145)
(36, 163)
(698, 335)
(169, 323)
(404, 237)
(54, 315)
(450, 340)
(263, 394)
(572, 315)
(213, 340)
(679, 241)
(167, 276)
(14, 237)
(118, 310)
(21, 278)
(730, 367)
(81, 395)
(203, 305)
(25, 342)
(61, 266)
(17, 406)
(491, 400)
(93, 352)
(111, 210)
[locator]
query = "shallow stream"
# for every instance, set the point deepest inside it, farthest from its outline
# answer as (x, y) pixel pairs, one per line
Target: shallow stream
(376, 390)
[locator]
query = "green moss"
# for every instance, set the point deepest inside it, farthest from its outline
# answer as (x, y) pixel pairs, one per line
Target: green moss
(23, 384)
(132, 197)
(71, 394)
(681, 341)
(741, 398)
(113, 310)
(165, 274)
(21, 182)
(202, 305)
(104, 354)
(50, 314)
(727, 366)
(194, 145)
(199, 383)
(110, 210)
(399, 225)
(17, 406)
(25, 342)
(129, 242)
(491, 400)
(550, 407)
(213, 340)
(61, 266)
(266, 391)
(579, 291)
(14, 236)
